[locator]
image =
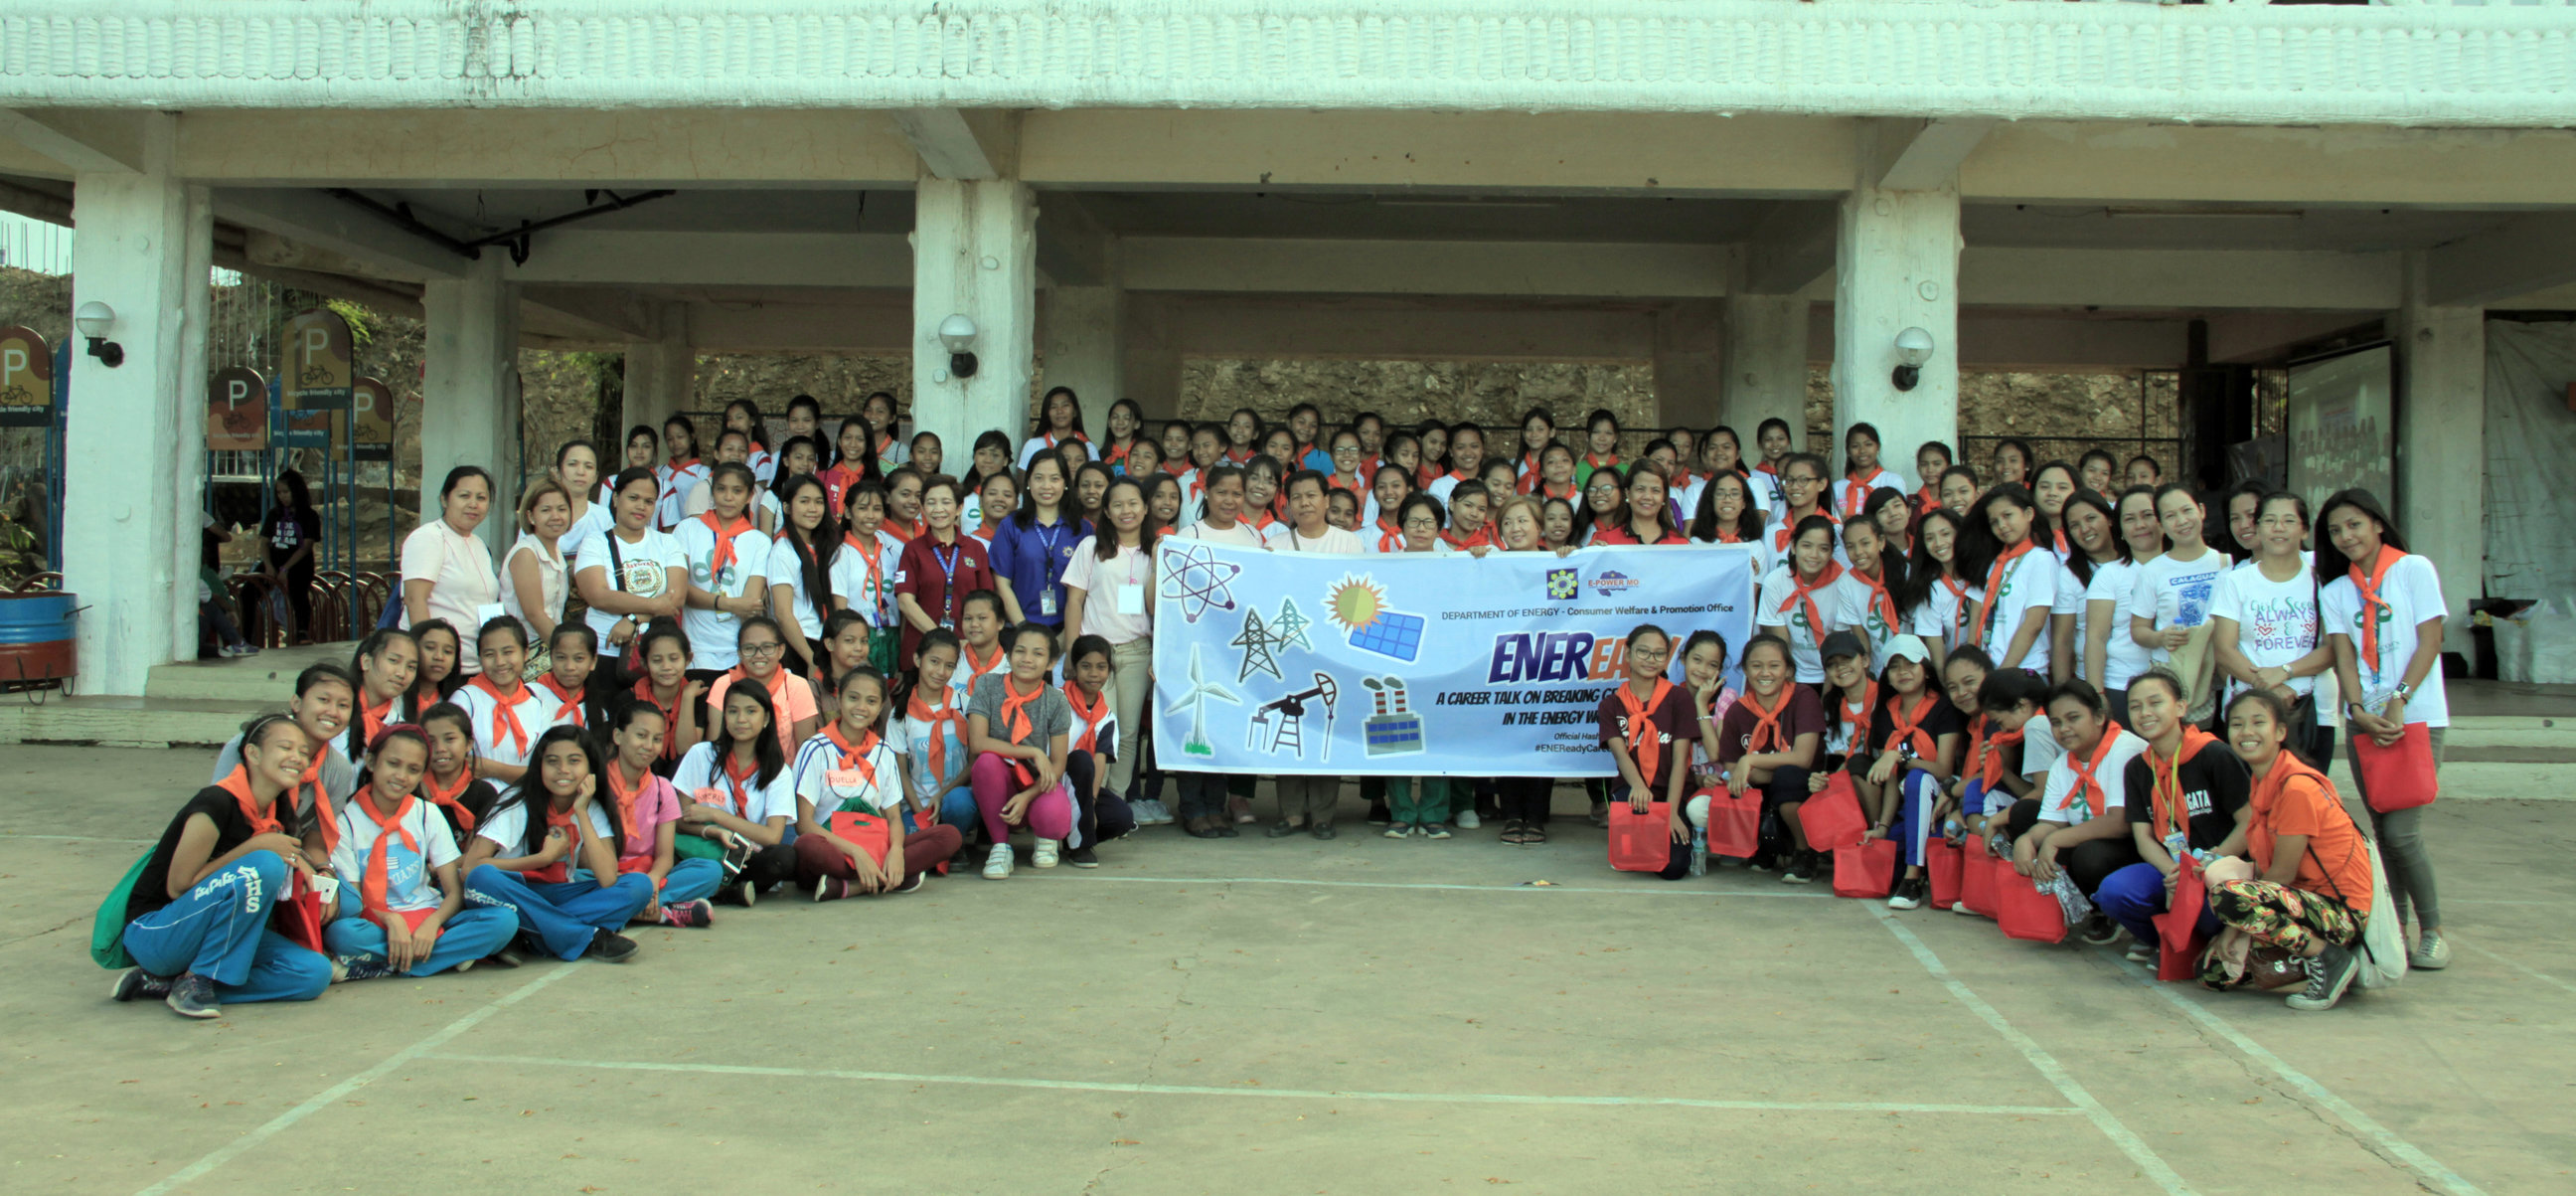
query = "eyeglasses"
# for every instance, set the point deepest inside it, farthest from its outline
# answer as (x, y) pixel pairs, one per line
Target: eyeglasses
(769, 649)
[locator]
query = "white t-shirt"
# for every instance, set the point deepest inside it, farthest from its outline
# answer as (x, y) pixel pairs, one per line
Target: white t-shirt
(409, 884)
(1108, 586)
(507, 828)
(1803, 639)
(595, 520)
(911, 740)
(875, 789)
(675, 491)
(961, 682)
(1855, 606)
(551, 583)
(2123, 658)
(2061, 800)
(463, 589)
(2176, 593)
(532, 707)
(643, 568)
(2413, 591)
(1284, 537)
(1846, 506)
(855, 585)
(712, 633)
(1944, 615)
(1239, 533)
(2029, 582)
(785, 568)
(1038, 444)
(2039, 749)
(699, 769)
(2276, 623)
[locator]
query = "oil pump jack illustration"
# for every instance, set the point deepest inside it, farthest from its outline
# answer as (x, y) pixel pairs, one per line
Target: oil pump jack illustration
(1283, 719)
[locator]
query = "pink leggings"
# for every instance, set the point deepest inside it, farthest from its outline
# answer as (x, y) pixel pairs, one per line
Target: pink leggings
(1049, 817)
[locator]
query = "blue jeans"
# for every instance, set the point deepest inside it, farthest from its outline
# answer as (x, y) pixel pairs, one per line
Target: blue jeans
(688, 880)
(1912, 826)
(2135, 894)
(476, 931)
(956, 808)
(218, 929)
(564, 915)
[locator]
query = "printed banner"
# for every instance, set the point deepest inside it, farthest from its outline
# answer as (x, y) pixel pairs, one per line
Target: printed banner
(1412, 664)
(26, 379)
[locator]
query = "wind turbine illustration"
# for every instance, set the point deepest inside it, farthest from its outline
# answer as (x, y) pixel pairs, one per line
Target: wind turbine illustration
(1195, 700)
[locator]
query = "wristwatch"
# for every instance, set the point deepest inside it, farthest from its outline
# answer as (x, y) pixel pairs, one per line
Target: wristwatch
(2405, 692)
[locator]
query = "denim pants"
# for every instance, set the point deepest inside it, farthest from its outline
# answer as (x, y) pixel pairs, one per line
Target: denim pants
(475, 932)
(564, 915)
(218, 929)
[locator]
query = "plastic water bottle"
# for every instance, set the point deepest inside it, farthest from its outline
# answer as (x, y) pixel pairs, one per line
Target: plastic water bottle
(1699, 852)
(1952, 829)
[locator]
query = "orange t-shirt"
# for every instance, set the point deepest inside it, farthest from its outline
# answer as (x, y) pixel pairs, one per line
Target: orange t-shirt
(2337, 862)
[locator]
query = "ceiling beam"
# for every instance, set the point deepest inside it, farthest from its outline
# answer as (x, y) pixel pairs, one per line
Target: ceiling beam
(610, 313)
(1383, 330)
(318, 220)
(1791, 248)
(1921, 155)
(83, 142)
(2531, 253)
(1515, 268)
(955, 144)
(594, 255)
(2181, 279)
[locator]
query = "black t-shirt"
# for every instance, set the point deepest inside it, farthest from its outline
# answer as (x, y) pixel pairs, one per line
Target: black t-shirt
(2214, 786)
(288, 530)
(152, 889)
(478, 796)
(1943, 719)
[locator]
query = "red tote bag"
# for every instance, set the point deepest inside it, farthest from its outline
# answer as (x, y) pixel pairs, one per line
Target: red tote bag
(1865, 869)
(1734, 823)
(2399, 776)
(870, 833)
(1832, 818)
(1641, 842)
(2027, 912)
(299, 917)
(2178, 928)
(1977, 879)
(1944, 862)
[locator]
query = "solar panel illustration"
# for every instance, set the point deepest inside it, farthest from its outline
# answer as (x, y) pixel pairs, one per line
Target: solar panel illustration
(1398, 636)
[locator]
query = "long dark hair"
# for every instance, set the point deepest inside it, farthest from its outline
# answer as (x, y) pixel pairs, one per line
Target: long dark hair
(1921, 570)
(1048, 400)
(764, 749)
(1105, 543)
(2045, 529)
(814, 558)
(1891, 567)
(1748, 522)
(1067, 507)
(449, 684)
(2331, 563)
(2080, 561)
(829, 452)
(478, 796)
(1978, 546)
(530, 793)
(990, 438)
(374, 645)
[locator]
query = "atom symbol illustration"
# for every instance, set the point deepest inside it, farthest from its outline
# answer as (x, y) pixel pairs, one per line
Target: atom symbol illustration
(1193, 577)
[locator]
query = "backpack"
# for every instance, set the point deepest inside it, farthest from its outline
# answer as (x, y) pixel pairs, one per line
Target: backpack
(107, 927)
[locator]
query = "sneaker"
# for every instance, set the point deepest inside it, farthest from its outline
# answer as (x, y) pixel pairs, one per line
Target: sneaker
(133, 983)
(738, 894)
(1909, 893)
(192, 995)
(1763, 861)
(2329, 972)
(1961, 907)
(831, 888)
(1801, 870)
(1046, 854)
(2100, 931)
(359, 967)
(1399, 830)
(1433, 830)
(2431, 954)
(2143, 952)
(608, 946)
(1467, 820)
(1162, 813)
(1241, 810)
(997, 865)
(1601, 813)
(688, 914)
(911, 881)
(1082, 857)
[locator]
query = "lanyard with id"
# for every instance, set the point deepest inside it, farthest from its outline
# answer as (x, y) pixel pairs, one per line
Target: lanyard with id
(1052, 567)
(948, 597)
(1131, 593)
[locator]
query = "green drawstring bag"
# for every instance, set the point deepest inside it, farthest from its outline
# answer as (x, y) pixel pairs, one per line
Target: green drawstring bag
(107, 930)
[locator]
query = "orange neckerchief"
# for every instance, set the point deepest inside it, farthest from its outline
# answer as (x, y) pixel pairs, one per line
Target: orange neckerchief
(1091, 716)
(1262, 520)
(2060, 536)
(1959, 601)
(871, 550)
(906, 532)
(977, 668)
(1857, 713)
(1570, 490)
(1645, 743)
(1855, 491)
(371, 719)
(629, 806)
(1390, 538)
(680, 467)
(1994, 590)
(323, 813)
(1975, 759)
(376, 883)
(2094, 798)
(670, 713)
(1598, 464)
(2286, 767)
(1355, 485)
(1425, 474)
(1906, 726)
(505, 714)
(854, 756)
(1993, 772)
(2367, 585)
(1180, 465)
(734, 781)
(2167, 794)
(448, 800)
(1015, 709)
(1483, 537)
(569, 703)
(237, 783)
(1878, 597)
(725, 532)
(1530, 475)
(1765, 721)
(1804, 592)
(572, 829)
(933, 716)
(1788, 529)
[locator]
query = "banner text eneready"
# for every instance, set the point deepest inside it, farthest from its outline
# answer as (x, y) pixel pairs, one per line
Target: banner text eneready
(1413, 664)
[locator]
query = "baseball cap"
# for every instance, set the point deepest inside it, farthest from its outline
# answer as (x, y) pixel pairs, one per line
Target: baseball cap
(1905, 647)
(1842, 643)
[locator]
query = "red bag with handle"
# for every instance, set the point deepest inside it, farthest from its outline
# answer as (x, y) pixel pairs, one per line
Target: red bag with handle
(870, 833)
(1944, 863)
(1977, 871)
(1734, 823)
(1865, 869)
(2399, 776)
(1832, 818)
(1641, 842)
(2027, 911)
(2179, 944)
(299, 918)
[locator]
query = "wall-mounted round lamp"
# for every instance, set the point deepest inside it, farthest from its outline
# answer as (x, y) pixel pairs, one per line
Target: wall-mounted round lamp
(1913, 348)
(957, 333)
(94, 319)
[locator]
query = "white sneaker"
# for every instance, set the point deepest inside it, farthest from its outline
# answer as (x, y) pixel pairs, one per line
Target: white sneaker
(1044, 856)
(997, 866)
(1148, 812)
(1162, 813)
(1466, 820)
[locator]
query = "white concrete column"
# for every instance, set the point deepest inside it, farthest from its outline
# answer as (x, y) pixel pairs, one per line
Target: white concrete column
(1897, 267)
(470, 398)
(1083, 350)
(2441, 443)
(134, 448)
(661, 377)
(1689, 339)
(1764, 375)
(974, 253)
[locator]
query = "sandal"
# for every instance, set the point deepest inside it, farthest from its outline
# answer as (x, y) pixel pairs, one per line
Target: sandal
(1512, 831)
(1533, 834)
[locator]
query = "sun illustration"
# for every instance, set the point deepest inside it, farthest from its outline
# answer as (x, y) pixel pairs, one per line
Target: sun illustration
(1356, 602)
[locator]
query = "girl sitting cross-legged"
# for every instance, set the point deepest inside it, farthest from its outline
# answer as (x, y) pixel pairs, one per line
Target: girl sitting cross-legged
(850, 802)
(737, 799)
(401, 905)
(520, 857)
